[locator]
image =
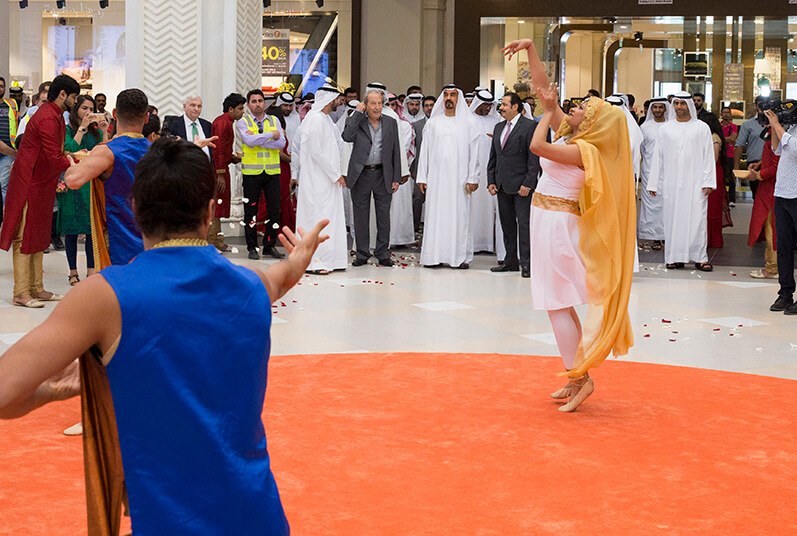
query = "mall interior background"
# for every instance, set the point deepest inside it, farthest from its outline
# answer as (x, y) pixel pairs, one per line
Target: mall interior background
(171, 48)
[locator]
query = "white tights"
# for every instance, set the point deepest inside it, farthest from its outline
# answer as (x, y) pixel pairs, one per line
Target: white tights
(567, 330)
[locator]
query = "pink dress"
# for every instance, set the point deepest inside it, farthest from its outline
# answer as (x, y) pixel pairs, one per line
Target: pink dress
(558, 274)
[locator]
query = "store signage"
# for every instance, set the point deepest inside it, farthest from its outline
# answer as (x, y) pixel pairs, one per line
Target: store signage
(276, 52)
(653, 2)
(773, 55)
(733, 82)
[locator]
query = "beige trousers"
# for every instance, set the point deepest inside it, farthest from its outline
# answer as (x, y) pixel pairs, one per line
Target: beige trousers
(28, 269)
(770, 255)
(215, 236)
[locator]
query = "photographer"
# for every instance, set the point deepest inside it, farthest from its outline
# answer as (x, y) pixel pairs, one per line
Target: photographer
(750, 140)
(784, 144)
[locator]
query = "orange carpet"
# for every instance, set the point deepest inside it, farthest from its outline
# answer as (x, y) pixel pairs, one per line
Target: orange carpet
(432, 444)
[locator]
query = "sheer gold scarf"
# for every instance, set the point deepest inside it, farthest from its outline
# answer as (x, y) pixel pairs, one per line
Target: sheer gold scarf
(607, 226)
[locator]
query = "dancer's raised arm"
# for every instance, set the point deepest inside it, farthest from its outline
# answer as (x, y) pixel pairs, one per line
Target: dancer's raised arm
(539, 78)
(564, 154)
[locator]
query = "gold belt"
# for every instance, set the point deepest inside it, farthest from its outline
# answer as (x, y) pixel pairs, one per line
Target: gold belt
(557, 204)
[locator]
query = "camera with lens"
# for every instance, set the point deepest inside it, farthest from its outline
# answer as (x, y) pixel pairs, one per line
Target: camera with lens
(785, 111)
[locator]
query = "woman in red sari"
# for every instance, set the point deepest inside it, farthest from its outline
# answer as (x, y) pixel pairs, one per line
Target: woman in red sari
(762, 221)
(719, 212)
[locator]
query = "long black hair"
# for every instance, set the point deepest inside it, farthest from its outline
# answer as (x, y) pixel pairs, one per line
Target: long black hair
(716, 128)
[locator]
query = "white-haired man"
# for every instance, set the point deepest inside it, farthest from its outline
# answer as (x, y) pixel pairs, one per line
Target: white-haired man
(190, 126)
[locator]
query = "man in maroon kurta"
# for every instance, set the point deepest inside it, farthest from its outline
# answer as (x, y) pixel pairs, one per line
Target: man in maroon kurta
(31, 192)
(223, 156)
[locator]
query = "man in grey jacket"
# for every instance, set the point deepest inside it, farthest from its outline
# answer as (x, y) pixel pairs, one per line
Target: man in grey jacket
(374, 169)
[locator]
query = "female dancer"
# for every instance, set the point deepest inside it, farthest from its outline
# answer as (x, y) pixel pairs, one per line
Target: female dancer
(85, 130)
(582, 229)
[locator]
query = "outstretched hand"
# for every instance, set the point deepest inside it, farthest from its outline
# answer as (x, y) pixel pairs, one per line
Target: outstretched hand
(516, 46)
(302, 247)
(206, 143)
(549, 97)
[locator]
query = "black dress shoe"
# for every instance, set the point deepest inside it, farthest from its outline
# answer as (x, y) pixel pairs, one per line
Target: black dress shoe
(359, 262)
(463, 266)
(272, 252)
(386, 262)
(791, 309)
(781, 304)
(58, 244)
(525, 272)
(254, 255)
(504, 268)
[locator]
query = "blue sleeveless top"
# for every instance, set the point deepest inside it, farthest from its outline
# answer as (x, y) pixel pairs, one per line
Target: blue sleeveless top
(124, 237)
(188, 382)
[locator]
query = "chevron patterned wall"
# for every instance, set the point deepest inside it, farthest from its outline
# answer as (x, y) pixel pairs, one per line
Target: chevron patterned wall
(171, 52)
(250, 45)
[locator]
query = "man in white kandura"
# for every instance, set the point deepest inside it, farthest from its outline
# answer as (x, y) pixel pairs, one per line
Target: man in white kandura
(321, 184)
(412, 107)
(684, 172)
(448, 175)
(345, 156)
(484, 221)
(650, 225)
(287, 105)
(402, 227)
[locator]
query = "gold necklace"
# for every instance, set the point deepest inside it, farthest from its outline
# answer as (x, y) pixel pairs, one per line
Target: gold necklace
(181, 242)
(129, 135)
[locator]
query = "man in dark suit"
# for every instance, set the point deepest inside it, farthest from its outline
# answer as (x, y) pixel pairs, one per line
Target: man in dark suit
(512, 174)
(374, 168)
(190, 126)
(419, 197)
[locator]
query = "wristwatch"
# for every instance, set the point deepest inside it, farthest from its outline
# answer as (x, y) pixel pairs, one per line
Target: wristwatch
(82, 129)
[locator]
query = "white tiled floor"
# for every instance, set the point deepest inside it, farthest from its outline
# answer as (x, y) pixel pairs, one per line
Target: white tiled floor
(410, 309)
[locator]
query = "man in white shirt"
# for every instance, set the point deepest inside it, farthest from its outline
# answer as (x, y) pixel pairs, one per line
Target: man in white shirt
(785, 145)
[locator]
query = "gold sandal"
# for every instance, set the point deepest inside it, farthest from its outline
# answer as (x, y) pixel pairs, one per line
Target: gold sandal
(585, 387)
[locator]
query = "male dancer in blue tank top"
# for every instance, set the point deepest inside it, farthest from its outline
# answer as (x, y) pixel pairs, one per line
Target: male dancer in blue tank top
(114, 163)
(191, 468)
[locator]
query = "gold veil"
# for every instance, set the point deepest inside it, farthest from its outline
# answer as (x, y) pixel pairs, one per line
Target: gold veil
(607, 226)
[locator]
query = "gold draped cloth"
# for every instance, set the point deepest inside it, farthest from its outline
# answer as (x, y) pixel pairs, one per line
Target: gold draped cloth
(102, 459)
(608, 229)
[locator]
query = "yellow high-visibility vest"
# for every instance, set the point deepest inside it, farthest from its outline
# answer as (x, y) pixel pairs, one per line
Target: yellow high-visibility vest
(13, 119)
(256, 159)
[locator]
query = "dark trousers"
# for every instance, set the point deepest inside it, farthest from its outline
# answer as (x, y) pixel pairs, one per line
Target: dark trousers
(70, 243)
(371, 182)
(270, 186)
(514, 211)
(54, 227)
(731, 183)
(786, 227)
(753, 184)
(418, 199)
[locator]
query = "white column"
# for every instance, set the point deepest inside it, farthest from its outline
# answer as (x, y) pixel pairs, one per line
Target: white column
(207, 47)
(433, 24)
(5, 40)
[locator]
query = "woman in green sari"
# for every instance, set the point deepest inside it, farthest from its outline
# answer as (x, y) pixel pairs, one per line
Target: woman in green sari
(85, 130)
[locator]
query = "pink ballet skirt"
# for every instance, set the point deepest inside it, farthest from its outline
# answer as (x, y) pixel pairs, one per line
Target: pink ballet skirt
(558, 274)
